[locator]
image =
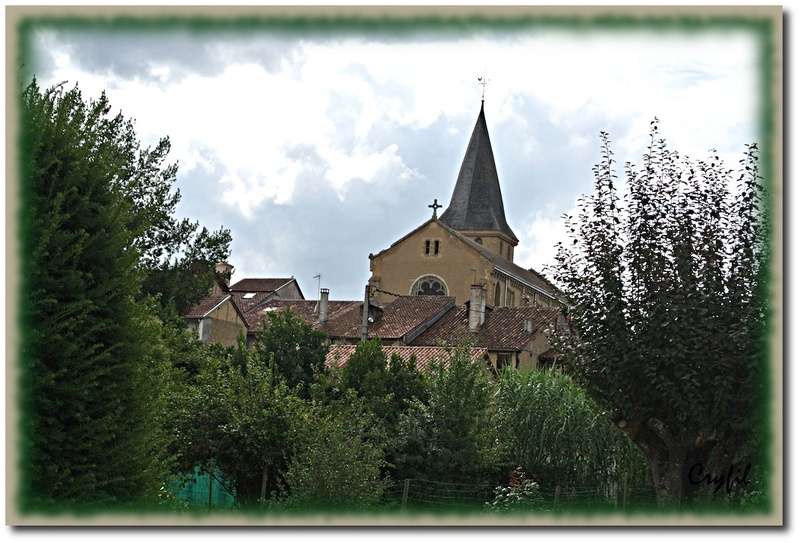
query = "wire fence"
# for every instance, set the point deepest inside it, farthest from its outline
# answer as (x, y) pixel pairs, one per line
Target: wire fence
(425, 495)
(421, 495)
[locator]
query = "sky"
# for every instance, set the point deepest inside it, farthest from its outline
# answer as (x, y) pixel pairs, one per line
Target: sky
(318, 146)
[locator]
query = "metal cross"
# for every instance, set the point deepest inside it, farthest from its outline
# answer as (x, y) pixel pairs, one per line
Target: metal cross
(435, 205)
(482, 81)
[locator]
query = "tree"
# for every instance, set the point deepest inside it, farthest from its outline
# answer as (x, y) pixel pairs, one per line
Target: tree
(335, 463)
(178, 257)
(388, 389)
(387, 386)
(93, 364)
(549, 426)
(668, 284)
(296, 348)
(448, 438)
(233, 416)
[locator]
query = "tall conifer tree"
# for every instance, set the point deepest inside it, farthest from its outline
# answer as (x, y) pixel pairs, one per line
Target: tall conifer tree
(91, 360)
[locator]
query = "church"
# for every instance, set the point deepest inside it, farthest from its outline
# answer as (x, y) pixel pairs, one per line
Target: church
(450, 280)
(470, 245)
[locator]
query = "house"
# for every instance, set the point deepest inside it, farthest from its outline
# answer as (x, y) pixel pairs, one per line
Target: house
(471, 243)
(217, 319)
(515, 336)
(223, 316)
(396, 323)
(424, 325)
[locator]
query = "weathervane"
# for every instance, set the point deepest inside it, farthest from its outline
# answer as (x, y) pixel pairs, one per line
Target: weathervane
(482, 81)
(435, 205)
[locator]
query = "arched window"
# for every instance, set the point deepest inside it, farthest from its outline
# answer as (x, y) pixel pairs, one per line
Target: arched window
(429, 285)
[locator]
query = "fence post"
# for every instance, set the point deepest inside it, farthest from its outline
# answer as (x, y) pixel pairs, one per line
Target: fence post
(406, 484)
(624, 491)
(210, 484)
(555, 500)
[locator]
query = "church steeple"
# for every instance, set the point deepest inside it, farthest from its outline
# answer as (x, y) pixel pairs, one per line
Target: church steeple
(477, 204)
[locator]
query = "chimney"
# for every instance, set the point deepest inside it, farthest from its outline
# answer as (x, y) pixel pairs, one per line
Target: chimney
(222, 282)
(365, 315)
(323, 305)
(529, 326)
(477, 306)
(225, 270)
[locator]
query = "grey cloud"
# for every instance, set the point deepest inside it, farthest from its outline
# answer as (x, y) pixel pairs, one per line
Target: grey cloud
(132, 52)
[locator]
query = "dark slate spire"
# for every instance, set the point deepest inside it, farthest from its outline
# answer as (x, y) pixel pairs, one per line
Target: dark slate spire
(476, 203)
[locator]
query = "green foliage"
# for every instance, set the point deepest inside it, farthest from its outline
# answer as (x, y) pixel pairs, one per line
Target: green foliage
(388, 387)
(547, 424)
(296, 348)
(365, 373)
(177, 256)
(334, 464)
(235, 417)
(669, 289)
(449, 437)
(93, 362)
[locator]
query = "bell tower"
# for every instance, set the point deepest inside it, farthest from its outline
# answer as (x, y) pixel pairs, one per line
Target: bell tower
(476, 206)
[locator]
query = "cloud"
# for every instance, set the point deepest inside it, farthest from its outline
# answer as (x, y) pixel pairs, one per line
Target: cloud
(317, 148)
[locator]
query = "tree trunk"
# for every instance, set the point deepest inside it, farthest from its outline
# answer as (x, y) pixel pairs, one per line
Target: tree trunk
(665, 453)
(667, 471)
(264, 479)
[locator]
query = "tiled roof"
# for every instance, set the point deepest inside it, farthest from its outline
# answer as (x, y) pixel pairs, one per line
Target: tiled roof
(477, 203)
(205, 306)
(305, 309)
(246, 304)
(259, 285)
(339, 355)
(502, 264)
(503, 328)
(403, 316)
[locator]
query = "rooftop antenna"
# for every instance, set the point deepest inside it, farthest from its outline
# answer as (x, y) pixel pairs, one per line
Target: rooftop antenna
(483, 81)
(318, 277)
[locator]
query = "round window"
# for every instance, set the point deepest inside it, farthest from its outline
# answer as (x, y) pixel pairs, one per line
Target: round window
(429, 285)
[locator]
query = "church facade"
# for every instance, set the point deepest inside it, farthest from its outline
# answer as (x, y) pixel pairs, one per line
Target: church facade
(470, 245)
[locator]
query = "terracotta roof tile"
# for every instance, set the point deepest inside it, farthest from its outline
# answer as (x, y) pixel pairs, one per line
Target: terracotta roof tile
(246, 304)
(503, 327)
(339, 355)
(205, 306)
(259, 285)
(402, 316)
(305, 309)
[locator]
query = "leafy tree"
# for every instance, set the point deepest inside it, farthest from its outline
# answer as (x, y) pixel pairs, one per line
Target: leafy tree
(387, 389)
(549, 426)
(335, 462)
(297, 349)
(668, 282)
(448, 438)
(388, 386)
(365, 373)
(177, 255)
(233, 416)
(93, 364)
